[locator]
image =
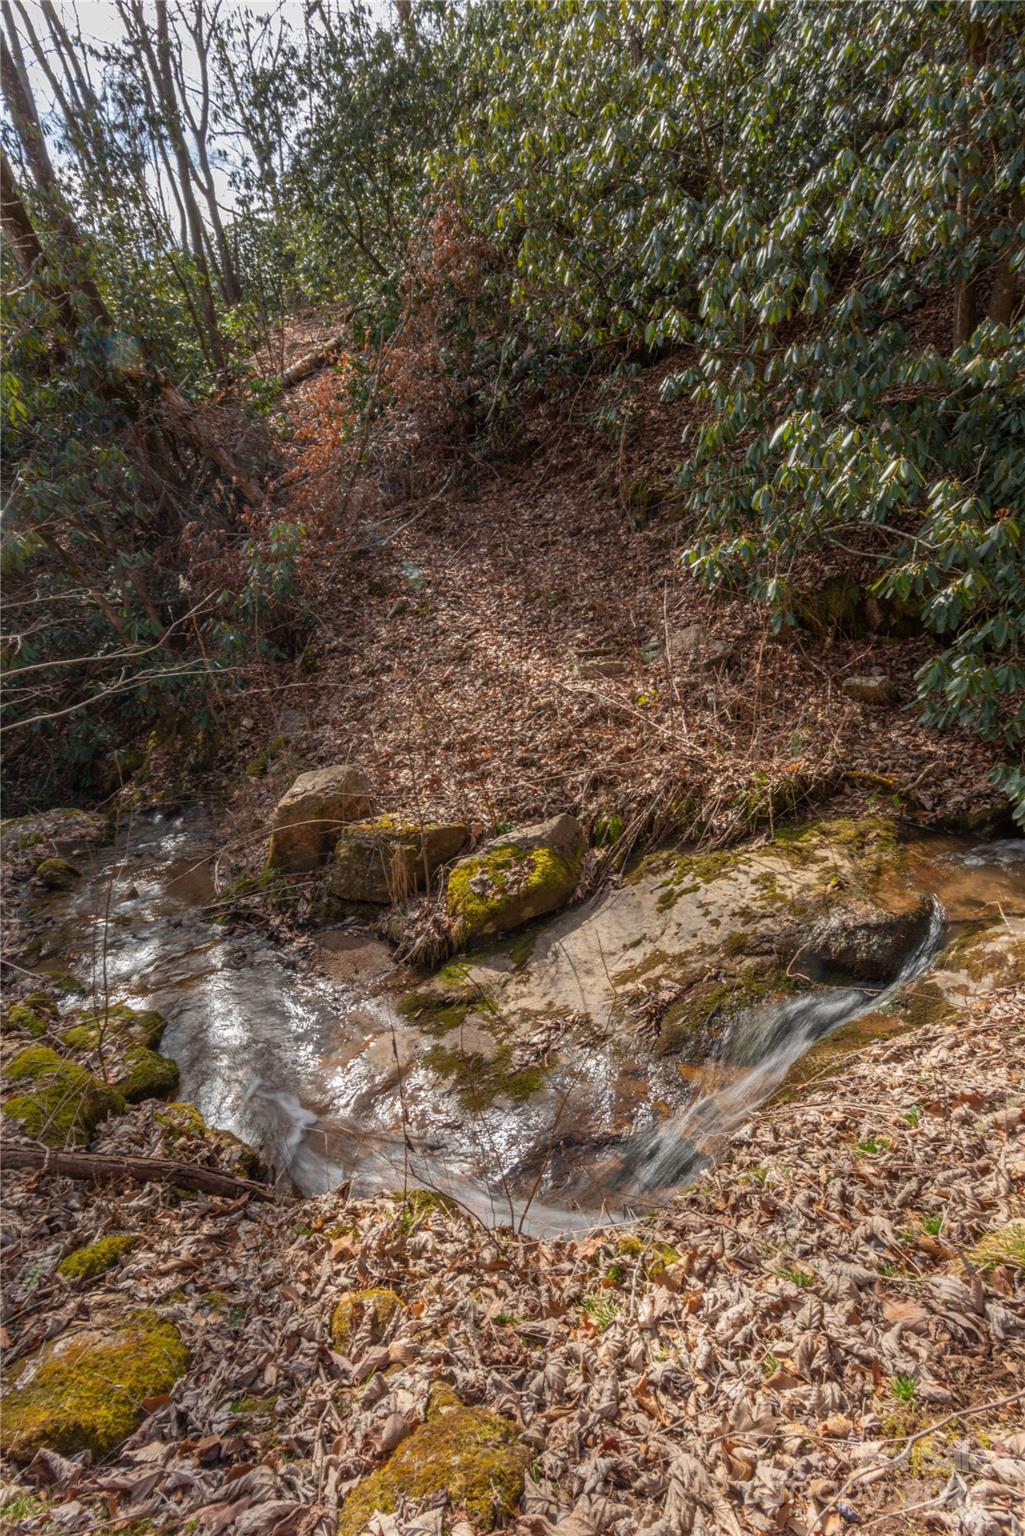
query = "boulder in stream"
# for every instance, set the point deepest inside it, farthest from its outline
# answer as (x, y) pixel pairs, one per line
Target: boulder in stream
(861, 940)
(384, 860)
(60, 1103)
(515, 878)
(309, 815)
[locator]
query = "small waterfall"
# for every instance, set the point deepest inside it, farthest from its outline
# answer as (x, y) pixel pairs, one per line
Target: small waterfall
(763, 1043)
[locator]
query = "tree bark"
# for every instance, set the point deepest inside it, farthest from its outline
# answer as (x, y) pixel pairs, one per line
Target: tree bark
(143, 1170)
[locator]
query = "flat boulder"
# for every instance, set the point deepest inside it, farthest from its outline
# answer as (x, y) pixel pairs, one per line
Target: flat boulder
(385, 860)
(515, 878)
(309, 815)
(875, 688)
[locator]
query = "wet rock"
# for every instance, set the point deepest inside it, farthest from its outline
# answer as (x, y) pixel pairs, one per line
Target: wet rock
(61, 1103)
(58, 874)
(516, 878)
(874, 688)
(385, 860)
(88, 1391)
(860, 941)
(469, 1454)
(309, 815)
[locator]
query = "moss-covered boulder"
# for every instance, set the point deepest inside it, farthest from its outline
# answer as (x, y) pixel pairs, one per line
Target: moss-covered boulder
(185, 1135)
(23, 1020)
(88, 1391)
(61, 1103)
(147, 1075)
(309, 816)
(384, 860)
(95, 1259)
(58, 874)
(367, 1312)
(470, 1454)
(118, 1041)
(516, 878)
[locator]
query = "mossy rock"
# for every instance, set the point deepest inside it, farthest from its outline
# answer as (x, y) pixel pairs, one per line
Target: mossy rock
(43, 1003)
(704, 1010)
(183, 1122)
(141, 1026)
(88, 1391)
(149, 1075)
(1004, 1245)
(25, 1021)
(385, 860)
(97, 1258)
(469, 1454)
(58, 874)
(515, 879)
(64, 1104)
(356, 1309)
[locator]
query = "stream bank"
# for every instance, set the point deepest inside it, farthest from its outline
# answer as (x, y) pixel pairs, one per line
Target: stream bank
(587, 1065)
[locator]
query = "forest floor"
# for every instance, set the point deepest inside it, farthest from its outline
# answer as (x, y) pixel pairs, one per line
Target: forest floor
(499, 640)
(826, 1333)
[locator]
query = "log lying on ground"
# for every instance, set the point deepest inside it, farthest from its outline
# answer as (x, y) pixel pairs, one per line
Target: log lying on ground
(144, 1170)
(311, 361)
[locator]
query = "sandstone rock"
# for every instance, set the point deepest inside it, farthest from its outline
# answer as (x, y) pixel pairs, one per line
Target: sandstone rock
(515, 878)
(875, 688)
(309, 815)
(385, 859)
(862, 941)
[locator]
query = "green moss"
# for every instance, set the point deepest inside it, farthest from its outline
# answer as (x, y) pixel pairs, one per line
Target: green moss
(58, 874)
(424, 1202)
(43, 1003)
(66, 981)
(65, 1103)
(97, 1258)
(149, 1076)
(352, 1311)
(827, 1056)
(478, 1081)
(978, 954)
(468, 1454)
(258, 765)
(921, 1002)
(1004, 1245)
(521, 949)
(490, 892)
(710, 1004)
(630, 1247)
(88, 1392)
(437, 1013)
(25, 1020)
(179, 1121)
(251, 1406)
(144, 1026)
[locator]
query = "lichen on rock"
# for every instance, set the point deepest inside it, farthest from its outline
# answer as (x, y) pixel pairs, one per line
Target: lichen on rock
(367, 1314)
(516, 878)
(88, 1391)
(384, 860)
(62, 1103)
(96, 1258)
(469, 1454)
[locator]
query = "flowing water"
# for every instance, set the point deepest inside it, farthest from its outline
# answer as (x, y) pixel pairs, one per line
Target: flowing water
(315, 1066)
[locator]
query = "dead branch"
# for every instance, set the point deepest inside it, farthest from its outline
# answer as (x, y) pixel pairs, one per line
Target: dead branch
(144, 1170)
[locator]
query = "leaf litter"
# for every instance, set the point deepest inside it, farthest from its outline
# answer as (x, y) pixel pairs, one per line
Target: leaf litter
(800, 1343)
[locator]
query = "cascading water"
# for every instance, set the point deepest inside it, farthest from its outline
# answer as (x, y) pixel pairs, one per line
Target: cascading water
(763, 1043)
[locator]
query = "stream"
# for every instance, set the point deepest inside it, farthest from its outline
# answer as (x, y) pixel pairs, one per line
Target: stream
(318, 1069)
